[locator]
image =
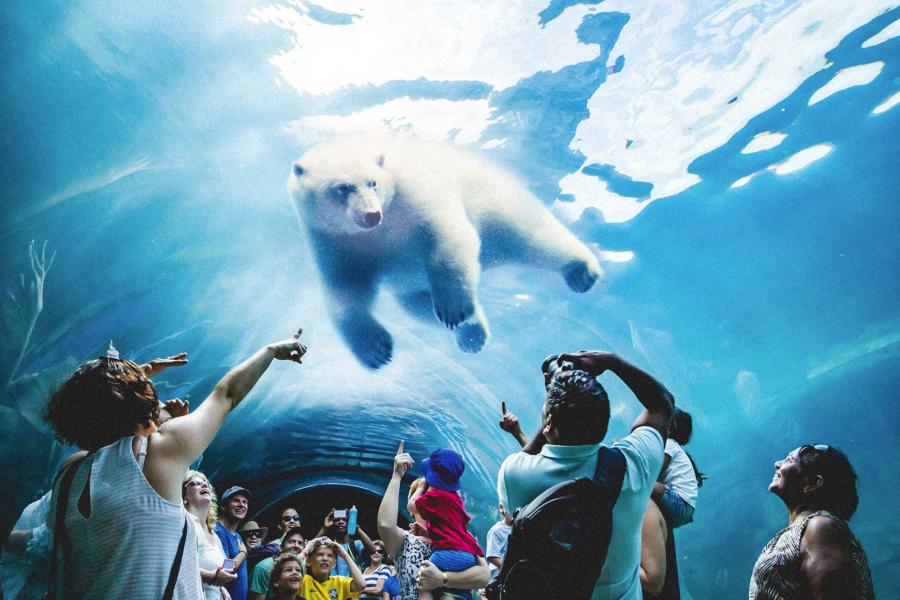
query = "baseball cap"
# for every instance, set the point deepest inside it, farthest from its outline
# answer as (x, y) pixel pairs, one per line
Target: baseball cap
(234, 491)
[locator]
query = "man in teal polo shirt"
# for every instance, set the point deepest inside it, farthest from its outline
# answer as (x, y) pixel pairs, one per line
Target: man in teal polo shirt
(574, 421)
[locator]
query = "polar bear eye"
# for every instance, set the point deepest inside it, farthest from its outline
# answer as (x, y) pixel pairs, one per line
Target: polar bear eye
(372, 184)
(341, 191)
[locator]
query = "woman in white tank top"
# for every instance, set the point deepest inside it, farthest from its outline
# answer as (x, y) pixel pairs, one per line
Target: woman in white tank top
(119, 510)
(200, 502)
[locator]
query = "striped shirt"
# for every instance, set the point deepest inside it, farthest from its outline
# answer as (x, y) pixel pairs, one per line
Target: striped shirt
(777, 576)
(122, 535)
(382, 572)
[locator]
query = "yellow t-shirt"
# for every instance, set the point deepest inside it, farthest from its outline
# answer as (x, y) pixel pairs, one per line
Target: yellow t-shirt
(335, 587)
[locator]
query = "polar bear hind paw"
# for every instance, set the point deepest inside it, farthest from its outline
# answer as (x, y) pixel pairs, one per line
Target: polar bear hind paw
(579, 276)
(471, 337)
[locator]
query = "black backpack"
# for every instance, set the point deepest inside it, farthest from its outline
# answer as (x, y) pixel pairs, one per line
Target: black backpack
(559, 540)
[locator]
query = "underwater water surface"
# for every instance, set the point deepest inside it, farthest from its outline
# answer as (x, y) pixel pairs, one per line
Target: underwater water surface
(734, 165)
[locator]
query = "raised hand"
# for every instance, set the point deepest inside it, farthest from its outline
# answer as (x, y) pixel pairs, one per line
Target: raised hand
(402, 461)
(593, 362)
(290, 349)
(158, 365)
(176, 407)
(509, 422)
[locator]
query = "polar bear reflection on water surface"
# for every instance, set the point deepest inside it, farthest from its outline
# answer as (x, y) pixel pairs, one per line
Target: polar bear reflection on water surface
(421, 218)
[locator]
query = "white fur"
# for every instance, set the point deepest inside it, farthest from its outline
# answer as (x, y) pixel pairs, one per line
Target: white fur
(433, 217)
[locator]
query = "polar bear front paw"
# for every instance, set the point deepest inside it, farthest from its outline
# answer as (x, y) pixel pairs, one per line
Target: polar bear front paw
(370, 342)
(580, 276)
(452, 304)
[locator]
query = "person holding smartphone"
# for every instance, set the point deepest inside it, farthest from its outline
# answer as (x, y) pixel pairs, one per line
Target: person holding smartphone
(216, 571)
(335, 527)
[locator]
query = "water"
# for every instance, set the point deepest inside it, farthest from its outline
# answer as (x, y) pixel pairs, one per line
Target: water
(749, 219)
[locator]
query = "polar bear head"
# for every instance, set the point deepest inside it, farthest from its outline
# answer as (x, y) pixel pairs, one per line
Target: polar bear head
(341, 188)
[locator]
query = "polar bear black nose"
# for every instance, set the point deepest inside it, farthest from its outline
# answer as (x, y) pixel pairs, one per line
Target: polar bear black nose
(371, 219)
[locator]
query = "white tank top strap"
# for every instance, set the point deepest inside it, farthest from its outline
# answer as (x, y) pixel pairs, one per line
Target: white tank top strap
(142, 452)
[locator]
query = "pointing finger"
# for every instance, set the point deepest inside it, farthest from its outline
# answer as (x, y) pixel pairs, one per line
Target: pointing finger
(503, 406)
(400, 449)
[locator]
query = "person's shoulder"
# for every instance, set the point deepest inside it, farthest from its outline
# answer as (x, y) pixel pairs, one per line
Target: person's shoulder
(824, 529)
(518, 461)
(642, 439)
(264, 565)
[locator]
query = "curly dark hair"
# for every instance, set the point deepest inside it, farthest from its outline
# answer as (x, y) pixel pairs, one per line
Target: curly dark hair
(278, 567)
(579, 406)
(101, 402)
(837, 493)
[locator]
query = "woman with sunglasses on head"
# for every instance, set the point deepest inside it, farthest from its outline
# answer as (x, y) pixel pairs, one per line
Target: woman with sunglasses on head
(376, 572)
(816, 556)
(199, 500)
(126, 493)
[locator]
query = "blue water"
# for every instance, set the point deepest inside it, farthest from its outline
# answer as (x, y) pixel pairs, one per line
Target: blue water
(149, 145)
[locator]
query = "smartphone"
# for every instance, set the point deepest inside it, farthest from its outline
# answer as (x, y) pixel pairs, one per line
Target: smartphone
(339, 514)
(228, 565)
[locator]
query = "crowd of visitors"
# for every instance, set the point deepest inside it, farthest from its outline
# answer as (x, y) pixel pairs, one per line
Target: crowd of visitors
(580, 518)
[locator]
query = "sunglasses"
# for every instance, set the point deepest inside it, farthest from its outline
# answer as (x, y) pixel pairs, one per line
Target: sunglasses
(291, 518)
(195, 483)
(821, 448)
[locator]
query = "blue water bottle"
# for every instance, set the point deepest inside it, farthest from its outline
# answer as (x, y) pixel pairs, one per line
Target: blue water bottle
(351, 521)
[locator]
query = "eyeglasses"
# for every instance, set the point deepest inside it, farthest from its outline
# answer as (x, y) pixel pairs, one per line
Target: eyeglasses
(287, 518)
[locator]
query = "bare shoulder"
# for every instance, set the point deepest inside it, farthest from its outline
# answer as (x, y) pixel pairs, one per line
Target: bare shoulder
(824, 531)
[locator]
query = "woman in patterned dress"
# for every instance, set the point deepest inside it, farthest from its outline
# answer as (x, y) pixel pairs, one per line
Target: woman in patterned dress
(411, 551)
(816, 556)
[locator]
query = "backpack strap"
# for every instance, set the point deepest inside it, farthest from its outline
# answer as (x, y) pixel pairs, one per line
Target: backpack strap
(610, 471)
(142, 451)
(176, 564)
(62, 500)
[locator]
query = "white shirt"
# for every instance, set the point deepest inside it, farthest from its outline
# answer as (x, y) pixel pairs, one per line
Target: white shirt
(680, 473)
(523, 477)
(211, 555)
(497, 540)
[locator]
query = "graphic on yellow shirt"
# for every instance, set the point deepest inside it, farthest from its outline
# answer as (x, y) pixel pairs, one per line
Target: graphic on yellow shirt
(333, 588)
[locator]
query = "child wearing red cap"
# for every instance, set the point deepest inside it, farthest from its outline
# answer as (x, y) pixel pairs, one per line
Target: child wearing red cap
(439, 503)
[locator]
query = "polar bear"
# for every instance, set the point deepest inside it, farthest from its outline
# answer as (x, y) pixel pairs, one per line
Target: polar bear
(422, 218)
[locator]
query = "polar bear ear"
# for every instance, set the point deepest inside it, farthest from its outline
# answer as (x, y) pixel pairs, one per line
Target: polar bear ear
(379, 160)
(297, 170)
